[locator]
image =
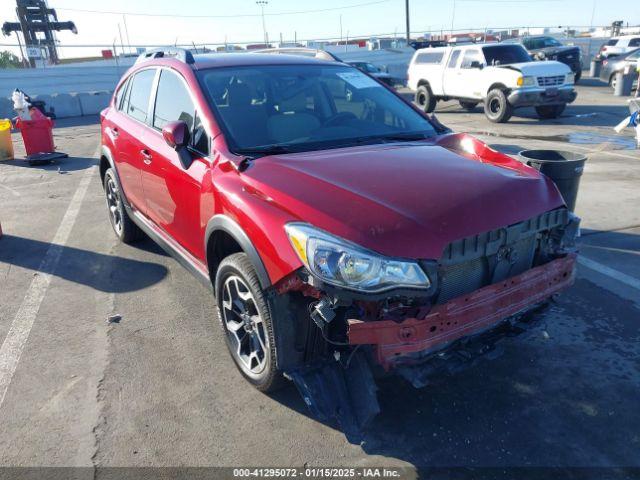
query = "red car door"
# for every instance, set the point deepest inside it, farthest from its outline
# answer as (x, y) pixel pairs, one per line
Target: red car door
(128, 130)
(174, 194)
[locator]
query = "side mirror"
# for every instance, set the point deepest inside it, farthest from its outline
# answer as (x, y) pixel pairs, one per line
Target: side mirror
(176, 134)
(476, 64)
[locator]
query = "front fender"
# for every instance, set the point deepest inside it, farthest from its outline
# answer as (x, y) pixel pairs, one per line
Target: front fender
(228, 225)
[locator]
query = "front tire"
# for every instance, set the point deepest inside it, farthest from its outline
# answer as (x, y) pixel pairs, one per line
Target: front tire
(547, 112)
(424, 99)
(245, 317)
(123, 226)
(496, 106)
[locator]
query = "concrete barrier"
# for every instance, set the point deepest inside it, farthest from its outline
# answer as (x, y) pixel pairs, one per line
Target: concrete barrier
(92, 103)
(64, 104)
(6, 108)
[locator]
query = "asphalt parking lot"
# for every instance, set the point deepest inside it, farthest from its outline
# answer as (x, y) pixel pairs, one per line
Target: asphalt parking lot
(157, 388)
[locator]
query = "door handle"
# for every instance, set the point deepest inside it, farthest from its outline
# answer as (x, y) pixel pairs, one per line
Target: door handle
(146, 156)
(115, 132)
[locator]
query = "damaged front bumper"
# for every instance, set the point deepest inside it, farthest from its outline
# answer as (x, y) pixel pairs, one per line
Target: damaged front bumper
(536, 96)
(413, 339)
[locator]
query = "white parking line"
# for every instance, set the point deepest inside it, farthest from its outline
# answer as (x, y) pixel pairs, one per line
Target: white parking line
(10, 190)
(609, 272)
(16, 339)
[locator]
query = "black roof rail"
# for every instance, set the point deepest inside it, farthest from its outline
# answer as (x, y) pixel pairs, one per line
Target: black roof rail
(167, 52)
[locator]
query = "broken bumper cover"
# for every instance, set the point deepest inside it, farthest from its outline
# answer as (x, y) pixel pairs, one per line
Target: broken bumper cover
(405, 342)
(535, 96)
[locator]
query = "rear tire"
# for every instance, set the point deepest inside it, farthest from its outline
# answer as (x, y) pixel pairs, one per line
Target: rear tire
(245, 318)
(123, 226)
(577, 76)
(468, 106)
(547, 112)
(424, 99)
(496, 106)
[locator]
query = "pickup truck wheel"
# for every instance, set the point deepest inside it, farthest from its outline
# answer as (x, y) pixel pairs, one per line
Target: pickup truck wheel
(550, 111)
(469, 106)
(123, 226)
(496, 106)
(577, 76)
(425, 99)
(245, 317)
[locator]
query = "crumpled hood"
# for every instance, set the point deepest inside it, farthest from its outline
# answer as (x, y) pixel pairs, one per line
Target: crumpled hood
(539, 69)
(401, 200)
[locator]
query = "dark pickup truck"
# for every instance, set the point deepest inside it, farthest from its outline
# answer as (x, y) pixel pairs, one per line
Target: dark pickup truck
(548, 48)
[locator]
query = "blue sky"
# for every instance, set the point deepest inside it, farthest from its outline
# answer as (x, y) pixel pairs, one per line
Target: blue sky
(386, 16)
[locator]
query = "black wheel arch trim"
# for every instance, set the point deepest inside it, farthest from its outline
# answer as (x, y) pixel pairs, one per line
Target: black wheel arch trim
(105, 152)
(228, 225)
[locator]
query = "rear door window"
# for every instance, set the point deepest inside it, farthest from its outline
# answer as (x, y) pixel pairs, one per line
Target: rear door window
(453, 60)
(634, 42)
(140, 93)
(429, 57)
(120, 94)
(469, 57)
(612, 43)
(173, 102)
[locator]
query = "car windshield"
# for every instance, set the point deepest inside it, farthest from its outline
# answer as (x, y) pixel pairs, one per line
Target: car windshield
(543, 42)
(306, 107)
(505, 54)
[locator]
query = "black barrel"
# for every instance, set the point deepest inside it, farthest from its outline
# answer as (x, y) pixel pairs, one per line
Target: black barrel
(564, 168)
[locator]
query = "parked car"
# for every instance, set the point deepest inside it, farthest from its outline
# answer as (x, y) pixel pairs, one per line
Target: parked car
(340, 238)
(548, 48)
(371, 69)
(619, 46)
(618, 63)
(418, 44)
(502, 76)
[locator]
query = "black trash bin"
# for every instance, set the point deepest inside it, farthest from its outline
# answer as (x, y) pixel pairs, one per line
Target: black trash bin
(564, 168)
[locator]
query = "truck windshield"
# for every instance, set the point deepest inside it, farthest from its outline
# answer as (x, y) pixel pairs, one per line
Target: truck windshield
(543, 42)
(505, 54)
(307, 107)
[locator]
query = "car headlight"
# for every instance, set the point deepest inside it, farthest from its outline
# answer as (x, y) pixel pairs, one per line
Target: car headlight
(570, 78)
(339, 262)
(526, 81)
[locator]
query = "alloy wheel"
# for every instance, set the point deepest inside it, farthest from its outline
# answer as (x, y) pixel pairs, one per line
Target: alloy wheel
(113, 202)
(246, 330)
(494, 106)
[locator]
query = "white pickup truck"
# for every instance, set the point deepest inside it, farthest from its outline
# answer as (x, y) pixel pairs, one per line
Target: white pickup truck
(502, 76)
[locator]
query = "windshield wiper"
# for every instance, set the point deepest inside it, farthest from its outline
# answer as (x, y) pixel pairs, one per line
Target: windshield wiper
(265, 150)
(252, 153)
(408, 136)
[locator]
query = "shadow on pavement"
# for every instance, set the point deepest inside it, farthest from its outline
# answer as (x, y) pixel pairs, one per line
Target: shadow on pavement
(106, 273)
(69, 164)
(562, 395)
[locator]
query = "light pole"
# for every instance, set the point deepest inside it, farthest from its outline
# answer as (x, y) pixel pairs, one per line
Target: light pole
(263, 3)
(406, 8)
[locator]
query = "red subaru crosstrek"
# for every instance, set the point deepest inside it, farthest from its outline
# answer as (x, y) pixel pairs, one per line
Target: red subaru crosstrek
(343, 232)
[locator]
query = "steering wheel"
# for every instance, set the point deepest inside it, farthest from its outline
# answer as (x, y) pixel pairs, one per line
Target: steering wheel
(339, 118)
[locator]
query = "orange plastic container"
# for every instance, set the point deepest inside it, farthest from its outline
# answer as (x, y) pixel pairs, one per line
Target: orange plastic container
(37, 133)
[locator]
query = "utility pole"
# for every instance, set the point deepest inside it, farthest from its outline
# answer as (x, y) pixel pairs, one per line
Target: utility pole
(121, 41)
(126, 32)
(263, 3)
(406, 8)
(453, 17)
(37, 23)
